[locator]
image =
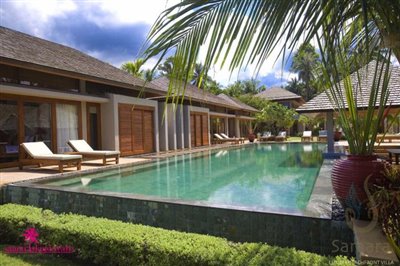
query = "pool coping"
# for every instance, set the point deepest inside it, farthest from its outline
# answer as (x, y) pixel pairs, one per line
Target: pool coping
(319, 205)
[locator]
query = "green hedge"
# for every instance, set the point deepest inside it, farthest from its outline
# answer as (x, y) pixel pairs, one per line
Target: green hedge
(109, 242)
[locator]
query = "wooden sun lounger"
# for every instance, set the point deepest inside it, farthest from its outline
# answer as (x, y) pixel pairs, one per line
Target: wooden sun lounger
(281, 136)
(81, 147)
(241, 140)
(38, 153)
(220, 140)
(307, 136)
(387, 137)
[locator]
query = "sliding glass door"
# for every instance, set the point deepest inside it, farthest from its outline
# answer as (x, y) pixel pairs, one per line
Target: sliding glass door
(37, 122)
(8, 131)
(67, 125)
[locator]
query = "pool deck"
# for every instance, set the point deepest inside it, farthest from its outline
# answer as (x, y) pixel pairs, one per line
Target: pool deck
(14, 174)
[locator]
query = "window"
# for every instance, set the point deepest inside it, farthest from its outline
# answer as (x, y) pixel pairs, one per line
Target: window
(67, 125)
(8, 131)
(37, 122)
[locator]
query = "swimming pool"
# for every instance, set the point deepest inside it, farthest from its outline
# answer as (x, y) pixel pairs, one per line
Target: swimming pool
(250, 193)
(262, 177)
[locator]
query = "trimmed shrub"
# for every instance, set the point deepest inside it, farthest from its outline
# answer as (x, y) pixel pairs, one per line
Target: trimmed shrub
(109, 242)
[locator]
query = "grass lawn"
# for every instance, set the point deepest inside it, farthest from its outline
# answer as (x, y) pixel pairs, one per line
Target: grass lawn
(294, 139)
(34, 259)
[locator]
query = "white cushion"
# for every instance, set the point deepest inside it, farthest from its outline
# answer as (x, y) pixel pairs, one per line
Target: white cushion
(282, 134)
(101, 152)
(80, 145)
(307, 134)
(61, 157)
(218, 136)
(35, 149)
(224, 136)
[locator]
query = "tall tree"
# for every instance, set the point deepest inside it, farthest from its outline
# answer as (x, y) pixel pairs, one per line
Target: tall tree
(166, 67)
(305, 63)
(133, 68)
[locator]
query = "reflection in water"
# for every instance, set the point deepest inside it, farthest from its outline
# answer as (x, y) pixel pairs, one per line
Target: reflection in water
(257, 176)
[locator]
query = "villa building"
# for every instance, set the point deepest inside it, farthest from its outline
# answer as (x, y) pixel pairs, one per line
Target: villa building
(282, 96)
(53, 93)
(286, 98)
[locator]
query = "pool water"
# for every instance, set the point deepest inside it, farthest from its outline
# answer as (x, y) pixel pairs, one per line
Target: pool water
(265, 177)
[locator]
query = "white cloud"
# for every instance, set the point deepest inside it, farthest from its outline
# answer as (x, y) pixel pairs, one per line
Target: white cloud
(38, 13)
(119, 12)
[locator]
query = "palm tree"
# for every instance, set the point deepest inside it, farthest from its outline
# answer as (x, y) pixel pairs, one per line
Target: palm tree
(305, 61)
(133, 68)
(167, 67)
(240, 32)
(149, 75)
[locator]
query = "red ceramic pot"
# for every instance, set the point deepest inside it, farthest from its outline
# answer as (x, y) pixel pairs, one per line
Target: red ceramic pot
(337, 136)
(348, 176)
(251, 137)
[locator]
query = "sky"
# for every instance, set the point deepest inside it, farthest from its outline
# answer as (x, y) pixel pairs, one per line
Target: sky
(113, 31)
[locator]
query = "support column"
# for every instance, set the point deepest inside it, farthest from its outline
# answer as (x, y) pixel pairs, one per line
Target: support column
(226, 121)
(82, 86)
(237, 128)
(162, 125)
(171, 126)
(329, 128)
(179, 127)
(186, 127)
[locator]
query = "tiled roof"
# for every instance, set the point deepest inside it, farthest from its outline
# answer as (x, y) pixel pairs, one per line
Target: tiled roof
(275, 94)
(238, 103)
(322, 103)
(195, 94)
(25, 48)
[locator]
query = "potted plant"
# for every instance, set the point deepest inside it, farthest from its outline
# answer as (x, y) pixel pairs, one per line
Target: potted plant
(361, 107)
(251, 136)
(337, 135)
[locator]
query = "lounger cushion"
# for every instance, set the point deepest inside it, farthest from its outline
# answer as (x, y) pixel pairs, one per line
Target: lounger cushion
(100, 152)
(307, 134)
(35, 149)
(218, 136)
(61, 157)
(39, 150)
(80, 145)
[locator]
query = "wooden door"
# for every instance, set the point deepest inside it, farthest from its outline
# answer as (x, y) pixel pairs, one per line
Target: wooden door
(199, 129)
(135, 129)
(204, 129)
(125, 129)
(148, 138)
(192, 131)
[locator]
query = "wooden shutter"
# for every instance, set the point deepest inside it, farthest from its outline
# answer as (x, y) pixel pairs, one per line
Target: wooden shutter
(136, 132)
(204, 124)
(193, 130)
(148, 131)
(125, 128)
(137, 125)
(198, 130)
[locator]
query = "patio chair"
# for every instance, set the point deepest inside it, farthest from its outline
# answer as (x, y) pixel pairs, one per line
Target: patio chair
(38, 153)
(219, 139)
(281, 136)
(266, 136)
(81, 147)
(241, 140)
(322, 135)
(307, 136)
